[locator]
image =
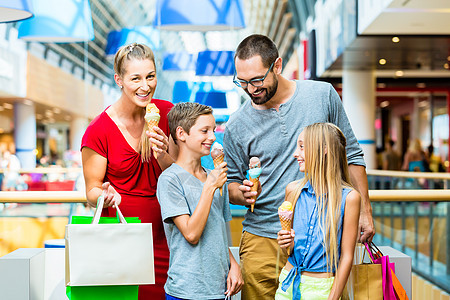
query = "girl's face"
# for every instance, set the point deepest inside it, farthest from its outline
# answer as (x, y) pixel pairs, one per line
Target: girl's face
(201, 136)
(139, 81)
(299, 153)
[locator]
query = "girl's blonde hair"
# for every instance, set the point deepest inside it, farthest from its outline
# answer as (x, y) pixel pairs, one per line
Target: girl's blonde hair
(326, 169)
(123, 55)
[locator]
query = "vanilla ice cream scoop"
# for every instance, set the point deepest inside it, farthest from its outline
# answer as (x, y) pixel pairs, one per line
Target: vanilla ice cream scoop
(285, 206)
(152, 113)
(218, 156)
(216, 151)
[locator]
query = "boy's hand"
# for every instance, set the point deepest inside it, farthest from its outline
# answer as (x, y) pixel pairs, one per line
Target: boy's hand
(234, 280)
(245, 188)
(286, 238)
(218, 176)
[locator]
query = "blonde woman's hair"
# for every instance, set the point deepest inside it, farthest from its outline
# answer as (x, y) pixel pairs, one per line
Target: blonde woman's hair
(122, 57)
(185, 114)
(326, 169)
(130, 52)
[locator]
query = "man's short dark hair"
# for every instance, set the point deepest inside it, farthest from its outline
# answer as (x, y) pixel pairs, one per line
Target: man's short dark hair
(257, 44)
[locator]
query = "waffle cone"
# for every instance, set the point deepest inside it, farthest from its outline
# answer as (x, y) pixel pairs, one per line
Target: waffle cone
(254, 188)
(151, 124)
(217, 161)
(285, 223)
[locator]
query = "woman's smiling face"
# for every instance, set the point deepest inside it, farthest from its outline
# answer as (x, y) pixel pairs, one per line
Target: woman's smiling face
(139, 81)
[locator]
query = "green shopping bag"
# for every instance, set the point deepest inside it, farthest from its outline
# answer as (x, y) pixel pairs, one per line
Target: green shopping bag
(113, 292)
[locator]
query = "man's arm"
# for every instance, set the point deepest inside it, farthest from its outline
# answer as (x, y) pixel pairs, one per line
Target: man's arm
(358, 177)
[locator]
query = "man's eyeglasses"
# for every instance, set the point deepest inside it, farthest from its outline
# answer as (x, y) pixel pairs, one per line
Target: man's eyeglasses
(255, 82)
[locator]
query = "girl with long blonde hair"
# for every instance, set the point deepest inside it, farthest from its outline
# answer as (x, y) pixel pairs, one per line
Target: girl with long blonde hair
(325, 224)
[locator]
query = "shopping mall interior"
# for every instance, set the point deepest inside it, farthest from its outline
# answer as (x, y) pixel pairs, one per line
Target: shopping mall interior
(388, 60)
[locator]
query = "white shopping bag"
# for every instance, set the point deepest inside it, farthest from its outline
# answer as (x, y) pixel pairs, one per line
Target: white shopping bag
(109, 254)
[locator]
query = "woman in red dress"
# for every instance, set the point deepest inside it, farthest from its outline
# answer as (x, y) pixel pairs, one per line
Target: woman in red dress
(116, 160)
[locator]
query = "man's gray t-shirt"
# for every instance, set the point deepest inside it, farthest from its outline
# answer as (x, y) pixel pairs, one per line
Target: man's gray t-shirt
(195, 271)
(272, 136)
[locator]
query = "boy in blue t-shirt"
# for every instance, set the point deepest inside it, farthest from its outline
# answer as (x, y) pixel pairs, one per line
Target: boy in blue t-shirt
(194, 213)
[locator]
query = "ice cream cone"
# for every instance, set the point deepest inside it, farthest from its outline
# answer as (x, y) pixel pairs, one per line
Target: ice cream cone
(150, 125)
(285, 223)
(217, 161)
(286, 213)
(152, 118)
(254, 188)
(254, 172)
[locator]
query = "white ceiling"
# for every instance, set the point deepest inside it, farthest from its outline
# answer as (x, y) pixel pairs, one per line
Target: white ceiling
(411, 17)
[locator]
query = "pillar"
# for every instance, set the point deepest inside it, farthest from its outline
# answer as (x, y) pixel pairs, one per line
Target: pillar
(25, 133)
(358, 93)
(77, 128)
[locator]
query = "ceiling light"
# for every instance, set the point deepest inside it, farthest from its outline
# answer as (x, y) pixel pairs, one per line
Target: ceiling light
(384, 104)
(399, 73)
(66, 21)
(448, 58)
(395, 39)
(382, 61)
(421, 85)
(27, 102)
(15, 10)
(446, 66)
(56, 110)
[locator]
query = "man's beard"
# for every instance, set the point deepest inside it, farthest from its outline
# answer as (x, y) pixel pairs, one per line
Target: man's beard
(270, 92)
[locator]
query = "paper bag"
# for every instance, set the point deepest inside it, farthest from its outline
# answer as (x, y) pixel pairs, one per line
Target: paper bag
(392, 289)
(365, 280)
(109, 254)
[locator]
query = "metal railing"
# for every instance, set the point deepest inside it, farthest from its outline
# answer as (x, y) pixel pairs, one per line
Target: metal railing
(382, 180)
(414, 221)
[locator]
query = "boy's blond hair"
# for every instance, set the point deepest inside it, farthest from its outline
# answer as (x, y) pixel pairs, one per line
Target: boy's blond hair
(185, 114)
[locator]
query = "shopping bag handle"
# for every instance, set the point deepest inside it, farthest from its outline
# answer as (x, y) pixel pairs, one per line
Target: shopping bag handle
(98, 211)
(373, 251)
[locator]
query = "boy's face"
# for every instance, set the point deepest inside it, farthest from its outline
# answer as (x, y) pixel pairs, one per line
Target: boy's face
(201, 136)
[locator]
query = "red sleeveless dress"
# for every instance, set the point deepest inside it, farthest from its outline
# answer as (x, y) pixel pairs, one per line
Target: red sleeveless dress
(136, 182)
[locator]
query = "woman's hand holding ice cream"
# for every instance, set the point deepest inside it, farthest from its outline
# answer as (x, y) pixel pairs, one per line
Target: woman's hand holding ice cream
(152, 118)
(160, 142)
